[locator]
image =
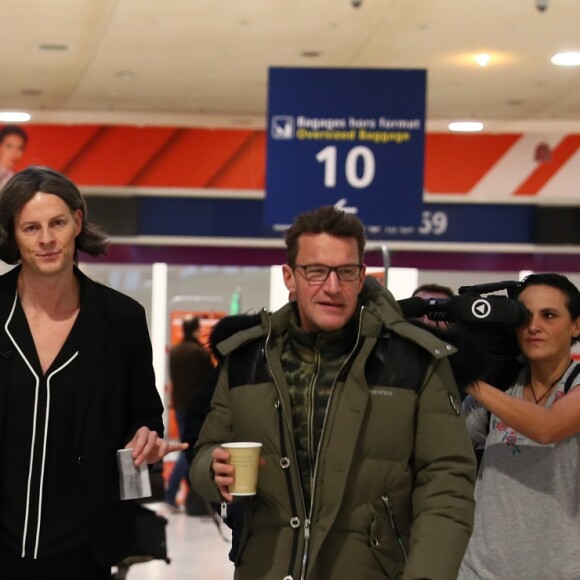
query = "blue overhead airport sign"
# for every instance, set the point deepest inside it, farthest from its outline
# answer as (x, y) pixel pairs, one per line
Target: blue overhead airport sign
(353, 138)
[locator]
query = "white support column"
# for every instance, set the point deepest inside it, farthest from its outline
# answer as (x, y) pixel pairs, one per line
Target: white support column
(159, 328)
(402, 281)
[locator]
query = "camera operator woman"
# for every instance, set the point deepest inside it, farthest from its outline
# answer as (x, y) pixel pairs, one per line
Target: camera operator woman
(527, 519)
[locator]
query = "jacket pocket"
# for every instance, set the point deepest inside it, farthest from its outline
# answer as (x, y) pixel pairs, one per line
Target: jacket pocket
(386, 541)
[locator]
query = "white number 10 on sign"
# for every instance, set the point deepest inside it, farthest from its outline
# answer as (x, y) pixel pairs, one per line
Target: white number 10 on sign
(328, 157)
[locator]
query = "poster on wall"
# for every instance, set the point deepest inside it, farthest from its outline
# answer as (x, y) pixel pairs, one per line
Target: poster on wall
(352, 138)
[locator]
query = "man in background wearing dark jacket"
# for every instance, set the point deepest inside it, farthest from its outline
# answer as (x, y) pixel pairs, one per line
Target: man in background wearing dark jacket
(189, 367)
(367, 471)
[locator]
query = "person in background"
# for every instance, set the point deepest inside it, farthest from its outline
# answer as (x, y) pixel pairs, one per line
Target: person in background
(76, 385)
(190, 366)
(527, 520)
(367, 470)
(13, 142)
(427, 291)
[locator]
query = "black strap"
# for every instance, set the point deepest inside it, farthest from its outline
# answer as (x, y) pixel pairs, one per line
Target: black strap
(571, 377)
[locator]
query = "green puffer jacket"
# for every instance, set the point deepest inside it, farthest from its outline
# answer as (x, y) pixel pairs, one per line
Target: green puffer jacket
(393, 486)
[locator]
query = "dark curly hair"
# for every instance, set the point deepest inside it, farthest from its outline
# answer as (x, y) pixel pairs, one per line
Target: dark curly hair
(22, 187)
(559, 281)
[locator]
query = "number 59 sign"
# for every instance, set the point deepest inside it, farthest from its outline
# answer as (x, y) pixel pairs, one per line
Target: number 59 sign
(346, 134)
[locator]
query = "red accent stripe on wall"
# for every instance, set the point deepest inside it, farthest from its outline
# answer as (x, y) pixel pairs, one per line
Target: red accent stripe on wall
(560, 155)
(455, 163)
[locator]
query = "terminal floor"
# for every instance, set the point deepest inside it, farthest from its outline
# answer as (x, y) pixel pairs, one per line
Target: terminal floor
(195, 547)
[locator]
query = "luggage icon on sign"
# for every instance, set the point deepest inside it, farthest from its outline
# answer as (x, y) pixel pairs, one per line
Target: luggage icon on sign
(282, 127)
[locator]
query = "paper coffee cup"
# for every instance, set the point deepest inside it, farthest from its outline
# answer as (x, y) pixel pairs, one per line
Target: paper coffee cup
(245, 457)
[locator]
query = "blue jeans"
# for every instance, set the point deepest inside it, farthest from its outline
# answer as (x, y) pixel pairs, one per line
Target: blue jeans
(180, 469)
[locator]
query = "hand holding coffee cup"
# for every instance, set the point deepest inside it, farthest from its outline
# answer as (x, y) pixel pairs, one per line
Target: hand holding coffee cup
(245, 458)
(223, 472)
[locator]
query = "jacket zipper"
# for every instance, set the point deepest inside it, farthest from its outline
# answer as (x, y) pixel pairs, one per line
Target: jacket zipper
(312, 490)
(391, 515)
(311, 460)
(292, 445)
(310, 426)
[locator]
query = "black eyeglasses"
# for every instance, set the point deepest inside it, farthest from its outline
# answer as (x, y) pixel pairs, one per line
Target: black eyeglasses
(320, 272)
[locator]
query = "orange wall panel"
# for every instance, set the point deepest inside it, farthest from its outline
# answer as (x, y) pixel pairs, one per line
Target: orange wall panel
(55, 145)
(195, 158)
(116, 154)
(247, 170)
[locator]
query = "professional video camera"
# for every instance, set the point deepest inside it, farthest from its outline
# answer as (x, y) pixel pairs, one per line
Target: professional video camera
(491, 320)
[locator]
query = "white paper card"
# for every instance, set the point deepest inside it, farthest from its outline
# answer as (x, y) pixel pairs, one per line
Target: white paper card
(134, 481)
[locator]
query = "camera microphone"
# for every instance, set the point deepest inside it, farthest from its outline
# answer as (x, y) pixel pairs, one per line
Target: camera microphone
(413, 307)
(434, 308)
(466, 308)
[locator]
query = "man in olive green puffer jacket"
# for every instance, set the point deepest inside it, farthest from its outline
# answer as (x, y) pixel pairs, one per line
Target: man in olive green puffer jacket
(367, 471)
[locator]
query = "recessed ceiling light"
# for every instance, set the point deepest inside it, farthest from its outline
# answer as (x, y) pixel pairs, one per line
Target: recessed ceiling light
(53, 47)
(31, 92)
(482, 59)
(14, 117)
(125, 74)
(465, 126)
(566, 59)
